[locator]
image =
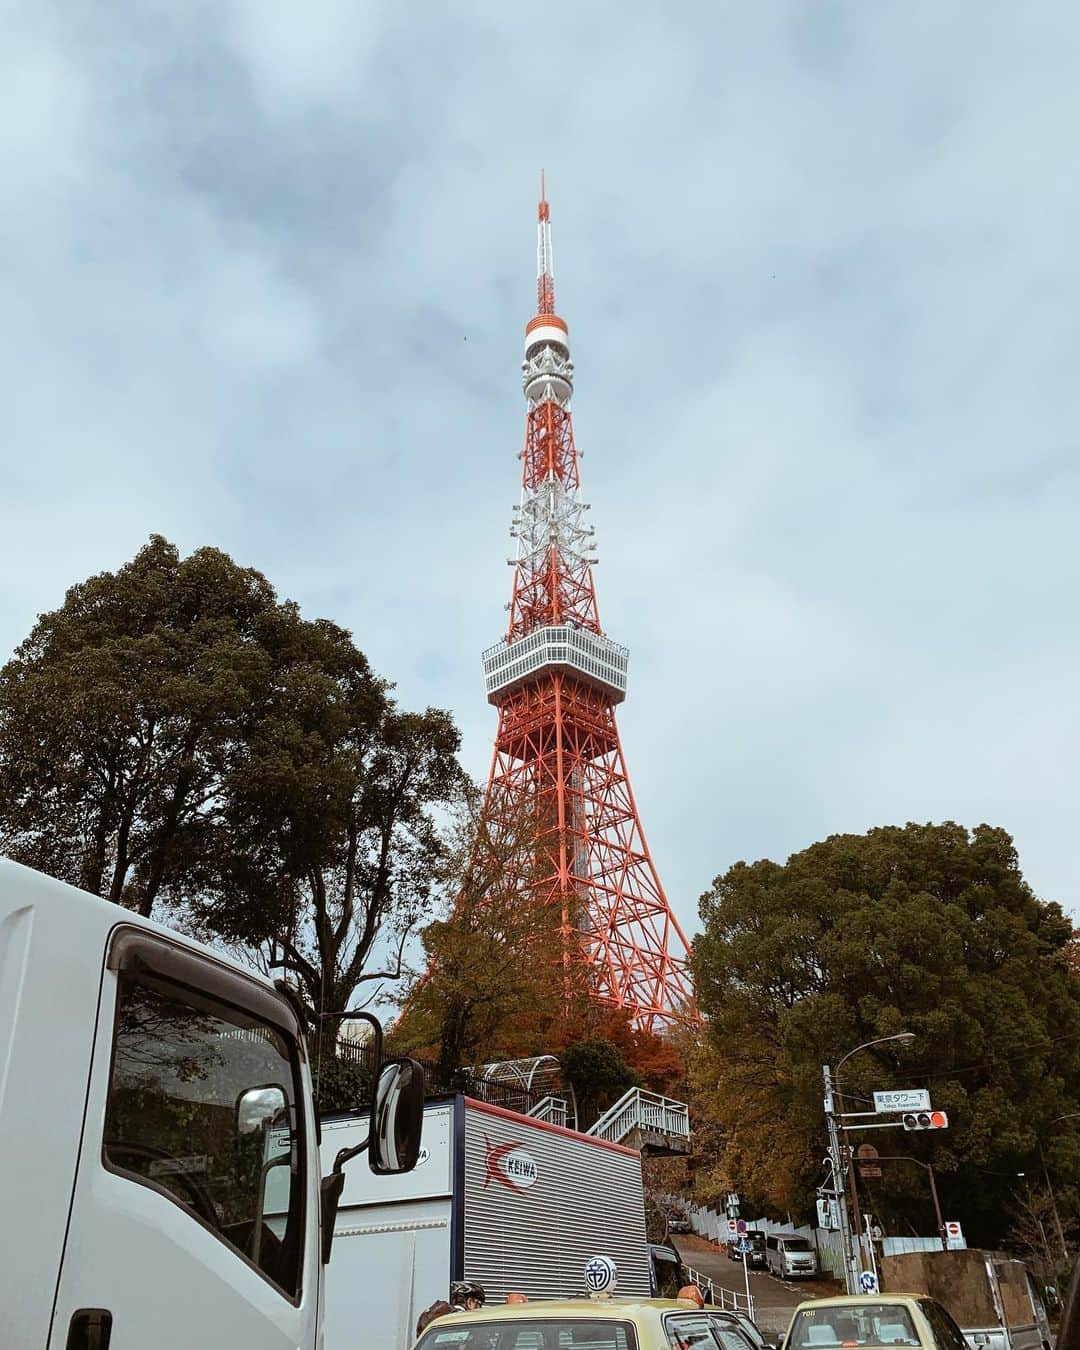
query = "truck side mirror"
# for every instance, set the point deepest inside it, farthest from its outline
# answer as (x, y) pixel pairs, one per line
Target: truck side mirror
(393, 1142)
(397, 1118)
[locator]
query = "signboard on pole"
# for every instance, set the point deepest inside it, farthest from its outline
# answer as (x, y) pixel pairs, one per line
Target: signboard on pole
(732, 1227)
(954, 1237)
(902, 1099)
(866, 1158)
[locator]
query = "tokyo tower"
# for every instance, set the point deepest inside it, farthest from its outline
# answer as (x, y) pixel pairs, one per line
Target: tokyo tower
(556, 679)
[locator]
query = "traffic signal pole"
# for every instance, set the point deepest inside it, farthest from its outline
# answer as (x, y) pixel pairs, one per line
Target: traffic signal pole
(851, 1273)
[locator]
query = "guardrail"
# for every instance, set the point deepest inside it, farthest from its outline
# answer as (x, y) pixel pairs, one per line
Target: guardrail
(727, 1300)
(640, 1110)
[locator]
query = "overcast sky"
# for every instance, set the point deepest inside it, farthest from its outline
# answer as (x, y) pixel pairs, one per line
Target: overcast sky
(265, 272)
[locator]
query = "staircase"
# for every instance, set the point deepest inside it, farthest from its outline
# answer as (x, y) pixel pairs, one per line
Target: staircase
(554, 1110)
(646, 1121)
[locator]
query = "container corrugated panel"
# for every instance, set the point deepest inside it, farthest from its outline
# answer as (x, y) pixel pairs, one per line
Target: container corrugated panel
(539, 1202)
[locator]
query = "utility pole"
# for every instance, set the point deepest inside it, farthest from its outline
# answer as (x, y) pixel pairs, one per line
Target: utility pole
(851, 1261)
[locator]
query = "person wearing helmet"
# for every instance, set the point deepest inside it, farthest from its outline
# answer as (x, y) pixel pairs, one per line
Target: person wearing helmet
(467, 1295)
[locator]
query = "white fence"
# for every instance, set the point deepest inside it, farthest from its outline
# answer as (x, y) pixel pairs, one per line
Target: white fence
(709, 1224)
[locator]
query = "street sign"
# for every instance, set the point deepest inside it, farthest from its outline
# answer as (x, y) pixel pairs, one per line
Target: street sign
(740, 1225)
(868, 1282)
(866, 1156)
(732, 1227)
(902, 1099)
(828, 1214)
(954, 1237)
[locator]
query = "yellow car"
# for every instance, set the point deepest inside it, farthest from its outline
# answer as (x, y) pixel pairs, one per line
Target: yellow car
(873, 1321)
(588, 1324)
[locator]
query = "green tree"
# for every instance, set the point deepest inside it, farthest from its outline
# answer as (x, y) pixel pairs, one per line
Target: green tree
(599, 1076)
(120, 715)
(927, 928)
(175, 735)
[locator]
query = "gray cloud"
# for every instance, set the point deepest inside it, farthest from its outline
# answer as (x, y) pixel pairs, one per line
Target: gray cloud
(266, 271)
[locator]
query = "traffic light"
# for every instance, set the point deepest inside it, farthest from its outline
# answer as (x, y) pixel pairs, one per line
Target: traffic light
(926, 1120)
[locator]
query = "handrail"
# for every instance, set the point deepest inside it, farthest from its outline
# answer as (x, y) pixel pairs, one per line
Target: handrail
(555, 1110)
(727, 1300)
(638, 1109)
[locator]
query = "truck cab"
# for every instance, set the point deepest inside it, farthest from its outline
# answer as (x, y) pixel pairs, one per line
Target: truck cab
(158, 1143)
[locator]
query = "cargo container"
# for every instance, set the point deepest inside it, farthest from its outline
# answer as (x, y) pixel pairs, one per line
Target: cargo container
(498, 1197)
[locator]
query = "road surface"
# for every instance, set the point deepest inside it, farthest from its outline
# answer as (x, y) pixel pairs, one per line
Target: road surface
(774, 1300)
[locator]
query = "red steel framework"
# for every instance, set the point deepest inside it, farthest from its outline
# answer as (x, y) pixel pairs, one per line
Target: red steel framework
(556, 680)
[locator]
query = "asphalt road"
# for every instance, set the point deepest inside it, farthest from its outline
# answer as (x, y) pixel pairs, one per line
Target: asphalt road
(774, 1300)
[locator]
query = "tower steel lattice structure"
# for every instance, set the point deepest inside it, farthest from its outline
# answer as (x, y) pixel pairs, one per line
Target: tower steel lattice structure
(556, 679)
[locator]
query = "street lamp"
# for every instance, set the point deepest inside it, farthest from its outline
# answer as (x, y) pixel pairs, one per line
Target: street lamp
(906, 1036)
(1069, 1115)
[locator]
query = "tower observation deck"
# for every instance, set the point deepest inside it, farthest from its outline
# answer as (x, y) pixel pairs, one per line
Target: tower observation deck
(556, 679)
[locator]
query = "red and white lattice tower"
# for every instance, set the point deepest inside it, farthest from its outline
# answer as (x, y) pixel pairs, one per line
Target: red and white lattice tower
(556, 679)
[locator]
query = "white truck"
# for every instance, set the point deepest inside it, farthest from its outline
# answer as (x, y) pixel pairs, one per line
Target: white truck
(513, 1202)
(160, 1179)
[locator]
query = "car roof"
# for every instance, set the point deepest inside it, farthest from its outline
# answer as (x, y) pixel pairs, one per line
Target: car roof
(575, 1307)
(847, 1300)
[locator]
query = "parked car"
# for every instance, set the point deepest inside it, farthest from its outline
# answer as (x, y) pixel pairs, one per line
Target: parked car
(756, 1255)
(872, 1320)
(678, 1222)
(790, 1256)
(667, 1274)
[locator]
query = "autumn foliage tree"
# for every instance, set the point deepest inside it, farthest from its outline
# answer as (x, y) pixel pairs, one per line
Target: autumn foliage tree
(493, 982)
(925, 928)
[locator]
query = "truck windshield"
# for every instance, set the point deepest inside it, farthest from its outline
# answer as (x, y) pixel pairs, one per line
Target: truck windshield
(854, 1324)
(202, 1106)
(518, 1333)
(756, 1240)
(797, 1245)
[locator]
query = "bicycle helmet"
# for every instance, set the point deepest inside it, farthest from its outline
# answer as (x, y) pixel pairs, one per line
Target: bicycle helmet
(461, 1290)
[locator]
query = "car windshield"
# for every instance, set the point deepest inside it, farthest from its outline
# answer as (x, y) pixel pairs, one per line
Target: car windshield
(797, 1245)
(756, 1240)
(854, 1324)
(521, 1333)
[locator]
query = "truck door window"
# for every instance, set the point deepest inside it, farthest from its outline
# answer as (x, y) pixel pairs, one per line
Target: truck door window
(202, 1106)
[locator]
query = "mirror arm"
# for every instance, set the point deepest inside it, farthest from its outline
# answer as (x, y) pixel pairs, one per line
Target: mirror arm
(348, 1154)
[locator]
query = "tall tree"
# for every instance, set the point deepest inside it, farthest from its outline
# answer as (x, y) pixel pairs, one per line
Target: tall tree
(494, 984)
(174, 735)
(119, 716)
(928, 928)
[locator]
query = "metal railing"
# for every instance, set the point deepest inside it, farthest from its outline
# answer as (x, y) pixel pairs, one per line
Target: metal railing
(555, 1110)
(640, 1110)
(727, 1300)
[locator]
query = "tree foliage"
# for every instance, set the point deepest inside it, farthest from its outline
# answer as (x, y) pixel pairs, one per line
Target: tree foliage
(927, 928)
(176, 736)
(494, 984)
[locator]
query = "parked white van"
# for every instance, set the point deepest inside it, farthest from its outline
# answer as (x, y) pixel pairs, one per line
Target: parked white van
(789, 1255)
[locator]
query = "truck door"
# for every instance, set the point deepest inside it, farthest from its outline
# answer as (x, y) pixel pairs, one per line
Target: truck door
(189, 1223)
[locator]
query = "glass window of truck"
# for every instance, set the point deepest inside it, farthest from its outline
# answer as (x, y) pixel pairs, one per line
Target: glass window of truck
(202, 1106)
